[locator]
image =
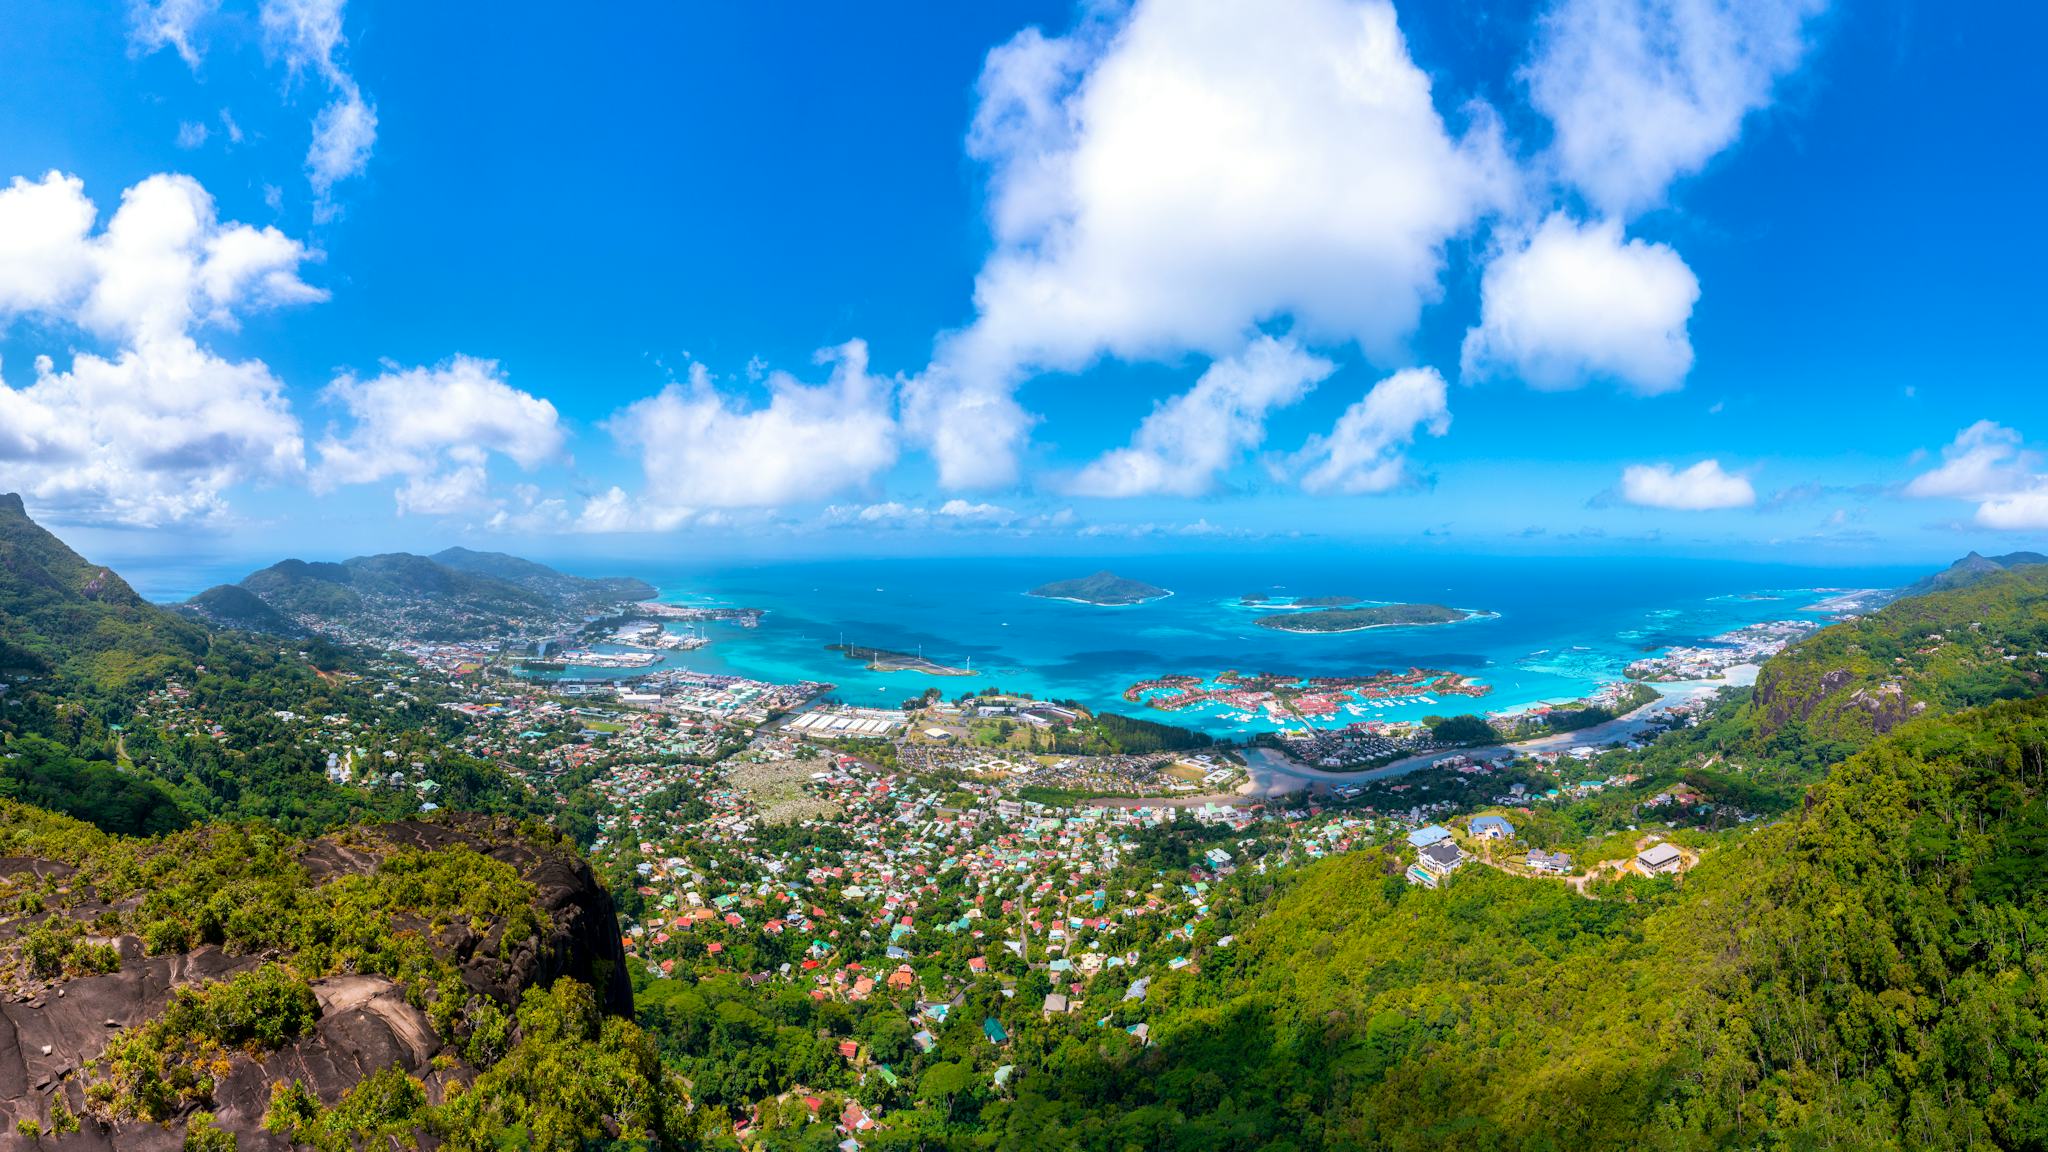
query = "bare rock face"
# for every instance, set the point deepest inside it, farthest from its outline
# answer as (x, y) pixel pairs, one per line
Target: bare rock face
(365, 1022)
(43, 1038)
(1887, 706)
(582, 941)
(1779, 704)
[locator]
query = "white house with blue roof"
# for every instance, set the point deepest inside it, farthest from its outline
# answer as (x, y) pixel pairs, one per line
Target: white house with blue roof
(1424, 837)
(1492, 828)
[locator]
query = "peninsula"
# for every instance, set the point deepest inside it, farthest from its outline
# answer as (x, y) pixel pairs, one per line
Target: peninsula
(1358, 619)
(1105, 588)
(884, 660)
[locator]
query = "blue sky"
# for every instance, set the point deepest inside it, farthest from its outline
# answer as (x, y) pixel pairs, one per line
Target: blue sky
(718, 279)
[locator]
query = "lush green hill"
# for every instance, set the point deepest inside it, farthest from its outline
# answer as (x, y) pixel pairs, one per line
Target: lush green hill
(458, 982)
(1865, 975)
(1979, 641)
(597, 593)
(61, 613)
(140, 719)
(233, 606)
(456, 595)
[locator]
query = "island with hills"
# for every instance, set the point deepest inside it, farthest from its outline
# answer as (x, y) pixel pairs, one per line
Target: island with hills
(1104, 588)
(455, 594)
(1359, 617)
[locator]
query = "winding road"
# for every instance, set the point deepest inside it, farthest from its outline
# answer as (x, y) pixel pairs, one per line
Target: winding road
(1276, 774)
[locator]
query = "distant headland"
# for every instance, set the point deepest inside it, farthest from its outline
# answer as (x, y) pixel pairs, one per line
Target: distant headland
(1358, 619)
(1105, 588)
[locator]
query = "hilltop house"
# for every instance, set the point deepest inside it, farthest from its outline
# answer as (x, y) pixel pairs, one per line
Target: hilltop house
(1434, 863)
(1554, 863)
(1660, 857)
(1492, 828)
(1424, 837)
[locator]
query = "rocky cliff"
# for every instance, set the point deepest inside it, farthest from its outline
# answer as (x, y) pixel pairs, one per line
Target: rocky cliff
(59, 1018)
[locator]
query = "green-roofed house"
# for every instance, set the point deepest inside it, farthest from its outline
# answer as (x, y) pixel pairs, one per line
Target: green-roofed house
(993, 1029)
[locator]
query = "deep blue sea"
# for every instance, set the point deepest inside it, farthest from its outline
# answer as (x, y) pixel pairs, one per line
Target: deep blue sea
(1560, 626)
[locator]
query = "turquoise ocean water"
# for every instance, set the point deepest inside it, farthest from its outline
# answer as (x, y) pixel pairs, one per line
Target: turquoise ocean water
(1560, 627)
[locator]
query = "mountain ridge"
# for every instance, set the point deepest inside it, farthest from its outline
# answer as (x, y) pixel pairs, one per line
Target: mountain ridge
(1970, 569)
(456, 594)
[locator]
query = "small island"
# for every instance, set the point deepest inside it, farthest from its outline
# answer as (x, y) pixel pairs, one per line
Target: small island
(1362, 618)
(1105, 588)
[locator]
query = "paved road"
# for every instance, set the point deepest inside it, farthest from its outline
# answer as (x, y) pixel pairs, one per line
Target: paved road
(1274, 774)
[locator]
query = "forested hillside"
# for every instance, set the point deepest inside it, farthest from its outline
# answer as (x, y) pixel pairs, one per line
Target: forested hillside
(1984, 640)
(286, 960)
(60, 614)
(1862, 976)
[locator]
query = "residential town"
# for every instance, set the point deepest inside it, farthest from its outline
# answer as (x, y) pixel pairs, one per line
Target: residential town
(931, 856)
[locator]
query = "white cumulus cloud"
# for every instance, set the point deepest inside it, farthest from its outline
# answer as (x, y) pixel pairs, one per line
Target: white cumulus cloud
(1366, 451)
(1578, 303)
(151, 436)
(702, 449)
(1643, 92)
(1983, 461)
(1640, 93)
(1989, 465)
(435, 428)
(1702, 487)
(2017, 511)
(1166, 180)
(45, 258)
(156, 428)
(1186, 442)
